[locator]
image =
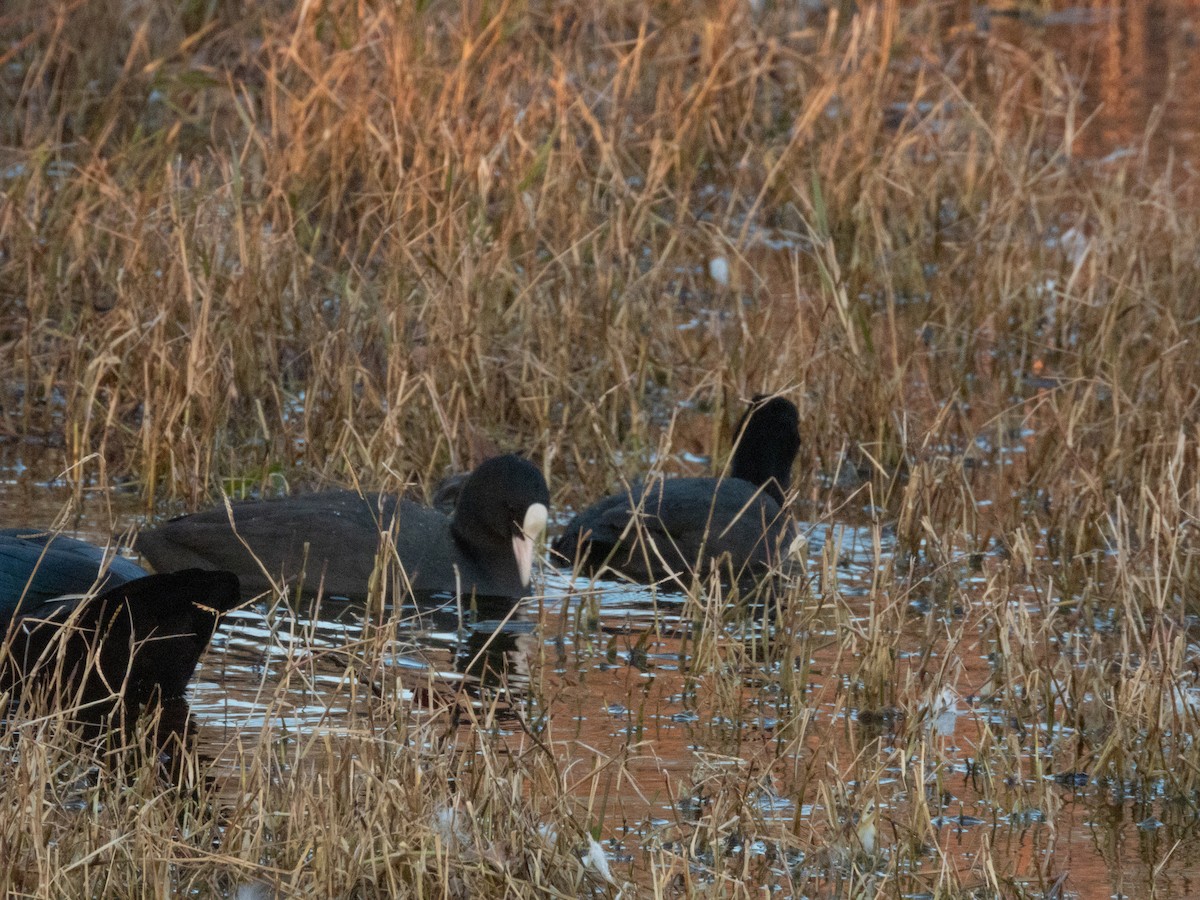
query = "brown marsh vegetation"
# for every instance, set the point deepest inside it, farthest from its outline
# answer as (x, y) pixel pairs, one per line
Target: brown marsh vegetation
(244, 246)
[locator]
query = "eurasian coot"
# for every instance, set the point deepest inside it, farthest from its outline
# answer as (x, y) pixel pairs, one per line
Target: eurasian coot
(136, 642)
(335, 538)
(36, 566)
(663, 529)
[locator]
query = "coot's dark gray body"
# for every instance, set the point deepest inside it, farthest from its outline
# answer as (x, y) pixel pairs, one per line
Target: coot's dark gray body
(334, 538)
(670, 527)
(36, 566)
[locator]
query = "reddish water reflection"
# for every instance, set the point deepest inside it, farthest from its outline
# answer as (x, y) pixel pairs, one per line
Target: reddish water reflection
(1133, 63)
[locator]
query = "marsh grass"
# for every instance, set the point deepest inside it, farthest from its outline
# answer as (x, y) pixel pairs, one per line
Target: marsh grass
(246, 248)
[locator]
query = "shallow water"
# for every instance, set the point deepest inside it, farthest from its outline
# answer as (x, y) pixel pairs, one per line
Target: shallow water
(1126, 63)
(610, 672)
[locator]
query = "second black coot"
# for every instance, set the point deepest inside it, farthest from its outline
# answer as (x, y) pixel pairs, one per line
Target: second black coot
(36, 566)
(113, 651)
(334, 538)
(664, 529)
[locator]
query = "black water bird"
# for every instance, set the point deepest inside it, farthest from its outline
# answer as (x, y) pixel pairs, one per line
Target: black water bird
(336, 538)
(112, 652)
(667, 528)
(36, 566)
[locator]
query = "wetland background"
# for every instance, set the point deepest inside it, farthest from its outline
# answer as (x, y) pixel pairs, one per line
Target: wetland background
(255, 247)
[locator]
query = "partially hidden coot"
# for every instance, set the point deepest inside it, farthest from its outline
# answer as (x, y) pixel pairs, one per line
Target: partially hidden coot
(335, 539)
(667, 528)
(95, 629)
(131, 643)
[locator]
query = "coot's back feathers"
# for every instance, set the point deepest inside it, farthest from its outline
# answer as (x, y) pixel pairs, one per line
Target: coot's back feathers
(334, 538)
(40, 565)
(321, 536)
(666, 528)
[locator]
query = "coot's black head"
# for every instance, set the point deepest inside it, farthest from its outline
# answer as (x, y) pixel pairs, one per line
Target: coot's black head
(768, 439)
(187, 601)
(503, 510)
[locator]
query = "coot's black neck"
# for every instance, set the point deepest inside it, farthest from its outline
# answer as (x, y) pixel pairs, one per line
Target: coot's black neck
(487, 558)
(768, 440)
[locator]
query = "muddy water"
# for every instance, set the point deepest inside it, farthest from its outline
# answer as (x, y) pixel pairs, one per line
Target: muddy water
(1132, 63)
(1128, 64)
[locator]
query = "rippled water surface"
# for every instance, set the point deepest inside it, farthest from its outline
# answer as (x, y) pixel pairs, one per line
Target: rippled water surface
(613, 670)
